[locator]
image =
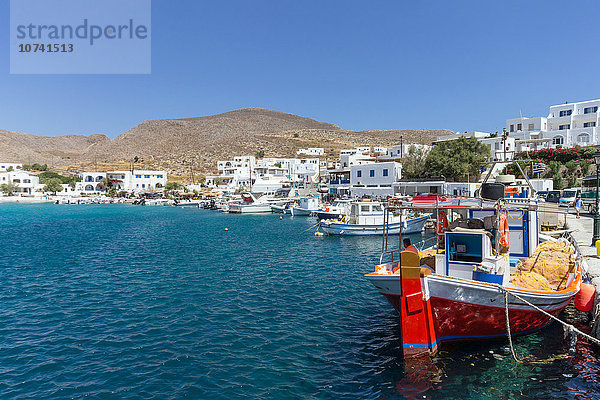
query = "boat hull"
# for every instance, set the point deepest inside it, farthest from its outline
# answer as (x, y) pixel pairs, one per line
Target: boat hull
(302, 212)
(249, 209)
(455, 310)
(329, 215)
(415, 225)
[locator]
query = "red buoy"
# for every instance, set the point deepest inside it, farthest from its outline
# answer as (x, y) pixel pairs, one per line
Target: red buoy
(584, 299)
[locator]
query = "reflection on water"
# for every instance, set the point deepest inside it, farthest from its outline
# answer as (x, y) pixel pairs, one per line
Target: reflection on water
(157, 302)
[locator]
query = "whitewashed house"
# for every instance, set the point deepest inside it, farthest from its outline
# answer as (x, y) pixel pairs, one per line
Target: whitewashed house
(374, 179)
(10, 166)
(90, 182)
(312, 151)
(567, 125)
(26, 182)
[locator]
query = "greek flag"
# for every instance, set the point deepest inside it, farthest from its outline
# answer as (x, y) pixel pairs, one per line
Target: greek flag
(538, 168)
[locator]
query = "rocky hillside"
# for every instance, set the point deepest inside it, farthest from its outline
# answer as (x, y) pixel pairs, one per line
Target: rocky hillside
(181, 145)
(176, 144)
(51, 150)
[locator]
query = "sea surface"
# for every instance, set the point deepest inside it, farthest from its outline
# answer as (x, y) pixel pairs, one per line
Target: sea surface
(130, 302)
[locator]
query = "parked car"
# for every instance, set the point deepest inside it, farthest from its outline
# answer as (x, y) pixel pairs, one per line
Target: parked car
(569, 196)
(550, 196)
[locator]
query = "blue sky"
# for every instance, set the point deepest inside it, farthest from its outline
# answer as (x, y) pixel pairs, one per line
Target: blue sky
(460, 65)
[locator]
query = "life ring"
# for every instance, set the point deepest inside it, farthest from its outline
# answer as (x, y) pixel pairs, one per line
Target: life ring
(442, 225)
(503, 230)
(327, 209)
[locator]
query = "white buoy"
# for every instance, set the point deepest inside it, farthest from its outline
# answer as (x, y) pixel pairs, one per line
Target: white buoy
(280, 217)
(226, 229)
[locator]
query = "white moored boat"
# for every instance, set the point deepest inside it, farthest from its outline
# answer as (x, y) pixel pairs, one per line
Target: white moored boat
(250, 204)
(367, 218)
(307, 206)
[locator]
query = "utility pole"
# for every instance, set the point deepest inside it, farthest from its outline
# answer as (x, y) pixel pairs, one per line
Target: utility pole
(401, 147)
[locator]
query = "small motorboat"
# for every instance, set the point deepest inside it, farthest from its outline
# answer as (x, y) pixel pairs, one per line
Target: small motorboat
(368, 218)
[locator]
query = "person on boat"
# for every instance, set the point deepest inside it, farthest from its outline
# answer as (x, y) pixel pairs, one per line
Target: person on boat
(577, 204)
(408, 246)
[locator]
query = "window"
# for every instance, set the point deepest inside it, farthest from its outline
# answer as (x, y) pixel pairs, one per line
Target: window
(143, 185)
(512, 128)
(519, 127)
(589, 124)
(146, 176)
(590, 110)
(159, 176)
(364, 208)
(385, 172)
(372, 173)
(583, 138)
(557, 140)
(138, 176)
(564, 127)
(565, 113)
(358, 174)
(531, 127)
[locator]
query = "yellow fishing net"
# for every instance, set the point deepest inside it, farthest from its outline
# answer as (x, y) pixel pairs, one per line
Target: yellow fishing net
(551, 260)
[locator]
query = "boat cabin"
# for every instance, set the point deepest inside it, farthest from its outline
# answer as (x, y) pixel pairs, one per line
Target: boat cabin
(366, 213)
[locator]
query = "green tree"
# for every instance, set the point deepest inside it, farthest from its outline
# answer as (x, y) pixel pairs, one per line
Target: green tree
(8, 188)
(10, 169)
(105, 183)
(457, 159)
(47, 176)
(413, 165)
(53, 185)
(172, 186)
(557, 182)
(260, 154)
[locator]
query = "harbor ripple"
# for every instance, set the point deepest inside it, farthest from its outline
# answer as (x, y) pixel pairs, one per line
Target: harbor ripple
(131, 302)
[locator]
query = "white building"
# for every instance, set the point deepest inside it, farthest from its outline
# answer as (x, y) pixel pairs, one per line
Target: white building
(400, 151)
(501, 150)
(26, 182)
(457, 135)
(312, 151)
(10, 166)
(90, 182)
(566, 125)
(137, 181)
(374, 179)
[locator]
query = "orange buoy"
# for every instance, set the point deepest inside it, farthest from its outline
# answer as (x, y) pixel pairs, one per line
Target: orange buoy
(584, 299)
(226, 229)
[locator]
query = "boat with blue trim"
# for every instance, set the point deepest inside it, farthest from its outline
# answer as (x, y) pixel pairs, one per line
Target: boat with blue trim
(368, 218)
(483, 278)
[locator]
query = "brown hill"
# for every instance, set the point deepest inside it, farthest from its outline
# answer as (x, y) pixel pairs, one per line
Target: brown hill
(56, 150)
(180, 144)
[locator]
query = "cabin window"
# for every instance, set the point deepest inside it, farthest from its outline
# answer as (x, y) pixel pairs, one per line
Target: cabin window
(364, 208)
(372, 173)
(385, 172)
(358, 174)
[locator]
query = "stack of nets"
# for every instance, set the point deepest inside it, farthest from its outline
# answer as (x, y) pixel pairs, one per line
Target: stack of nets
(548, 267)
(428, 258)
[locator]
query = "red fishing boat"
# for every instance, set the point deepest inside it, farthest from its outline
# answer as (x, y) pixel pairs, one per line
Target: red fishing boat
(482, 278)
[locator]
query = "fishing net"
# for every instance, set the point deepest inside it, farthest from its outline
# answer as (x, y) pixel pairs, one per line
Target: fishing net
(552, 260)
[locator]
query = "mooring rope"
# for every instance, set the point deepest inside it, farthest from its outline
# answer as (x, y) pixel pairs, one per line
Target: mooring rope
(570, 328)
(512, 349)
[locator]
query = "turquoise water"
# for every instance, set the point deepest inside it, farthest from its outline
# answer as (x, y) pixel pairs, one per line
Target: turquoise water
(126, 302)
